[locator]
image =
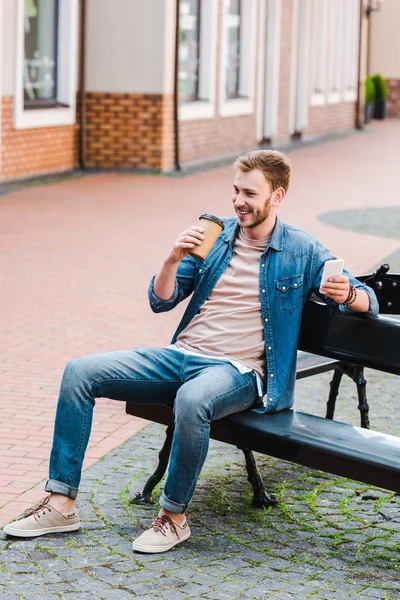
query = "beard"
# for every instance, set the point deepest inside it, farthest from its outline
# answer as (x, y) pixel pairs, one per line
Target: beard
(257, 216)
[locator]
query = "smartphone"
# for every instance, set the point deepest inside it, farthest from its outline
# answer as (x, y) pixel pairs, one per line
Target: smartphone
(332, 268)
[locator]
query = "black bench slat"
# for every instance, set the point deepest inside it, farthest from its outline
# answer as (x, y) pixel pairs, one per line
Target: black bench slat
(332, 446)
(335, 447)
(312, 364)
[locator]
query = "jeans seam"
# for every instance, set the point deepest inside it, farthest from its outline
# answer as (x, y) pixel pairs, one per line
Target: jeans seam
(80, 445)
(195, 478)
(135, 380)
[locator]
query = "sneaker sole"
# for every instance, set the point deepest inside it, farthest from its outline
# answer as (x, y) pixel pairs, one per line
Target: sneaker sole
(152, 550)
(37, 532)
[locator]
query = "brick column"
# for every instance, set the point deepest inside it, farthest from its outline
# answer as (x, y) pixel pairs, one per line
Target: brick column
(132, 131)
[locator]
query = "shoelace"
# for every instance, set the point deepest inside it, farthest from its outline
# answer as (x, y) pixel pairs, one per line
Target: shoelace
(35, 510)
(161, 525)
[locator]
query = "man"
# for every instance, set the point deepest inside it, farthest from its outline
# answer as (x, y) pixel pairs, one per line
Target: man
(235, 347)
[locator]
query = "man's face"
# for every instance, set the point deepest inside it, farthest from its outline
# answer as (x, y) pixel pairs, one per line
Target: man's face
(252, 197)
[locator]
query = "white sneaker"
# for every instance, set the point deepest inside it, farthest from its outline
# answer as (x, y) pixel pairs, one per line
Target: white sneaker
(42, 519)
(163, 535)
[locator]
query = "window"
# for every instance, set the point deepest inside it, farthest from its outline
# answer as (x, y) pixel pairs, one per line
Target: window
(40, 56)
(197, 58)
(46, 63)
(335, 57)
(351, 38)
(238, 57)
(233, 48)
(319, 57)
(189, 50)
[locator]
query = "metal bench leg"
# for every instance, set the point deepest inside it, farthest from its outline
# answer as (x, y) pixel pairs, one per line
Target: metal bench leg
(363, 407)
(261, 498)
(335, 383)
(163, 458)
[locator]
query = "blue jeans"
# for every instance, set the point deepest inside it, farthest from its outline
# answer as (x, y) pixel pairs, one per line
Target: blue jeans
(202, 390)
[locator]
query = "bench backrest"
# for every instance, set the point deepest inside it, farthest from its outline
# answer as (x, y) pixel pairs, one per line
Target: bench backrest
(358, 338)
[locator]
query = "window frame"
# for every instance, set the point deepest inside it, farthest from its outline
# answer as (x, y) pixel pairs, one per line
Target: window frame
(335, 71)
(351, 41)
(244, 104)
(63, 110)
(204, 106)
(319, 53)
(196, 96)
(239, 28)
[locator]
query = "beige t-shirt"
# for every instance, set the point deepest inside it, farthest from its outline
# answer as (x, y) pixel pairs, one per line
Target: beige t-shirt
(229, 323)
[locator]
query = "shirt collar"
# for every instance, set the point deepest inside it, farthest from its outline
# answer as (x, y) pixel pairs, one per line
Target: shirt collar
(276, 241)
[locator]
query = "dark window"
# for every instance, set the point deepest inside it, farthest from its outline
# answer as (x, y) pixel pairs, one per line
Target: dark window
(189, 50)
(233, 19)
(41, 49)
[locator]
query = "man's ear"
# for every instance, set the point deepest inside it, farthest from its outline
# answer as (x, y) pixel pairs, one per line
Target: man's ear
(278, 196)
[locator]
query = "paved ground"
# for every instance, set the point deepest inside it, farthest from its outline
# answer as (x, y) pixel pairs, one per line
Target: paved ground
(75, 261)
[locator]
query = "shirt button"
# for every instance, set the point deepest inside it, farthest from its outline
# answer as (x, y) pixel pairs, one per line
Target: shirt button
(295, 285)
(266, 320)
(271, 399)
(269, 347)
(271, 375)
(263, 291)
(263, 265)
(283, 287)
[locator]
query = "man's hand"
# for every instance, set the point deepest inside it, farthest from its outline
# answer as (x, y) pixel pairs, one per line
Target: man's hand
(164, 283)
(184, 243)
(337, 288)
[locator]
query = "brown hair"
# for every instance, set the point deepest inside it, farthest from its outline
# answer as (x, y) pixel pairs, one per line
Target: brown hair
(273, 164)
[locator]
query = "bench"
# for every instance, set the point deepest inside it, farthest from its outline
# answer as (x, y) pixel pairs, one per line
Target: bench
(387, 289)
(339, 448)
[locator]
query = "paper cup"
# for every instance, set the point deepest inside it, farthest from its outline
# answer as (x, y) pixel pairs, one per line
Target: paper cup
(212, 228)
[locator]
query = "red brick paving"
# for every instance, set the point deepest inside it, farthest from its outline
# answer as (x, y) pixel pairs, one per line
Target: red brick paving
(76, 258)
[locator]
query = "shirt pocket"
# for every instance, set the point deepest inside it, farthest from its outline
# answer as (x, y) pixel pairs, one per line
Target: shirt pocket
(290, 293)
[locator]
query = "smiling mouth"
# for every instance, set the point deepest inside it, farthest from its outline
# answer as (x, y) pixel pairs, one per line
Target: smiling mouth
(242, 213)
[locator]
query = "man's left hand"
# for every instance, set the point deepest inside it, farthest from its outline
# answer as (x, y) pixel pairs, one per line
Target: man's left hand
(336, 288)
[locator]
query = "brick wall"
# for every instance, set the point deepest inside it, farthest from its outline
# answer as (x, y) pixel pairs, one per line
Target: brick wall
(129, 130)
(209, 138)
(30, 152)
(330, 118)
(393, 101)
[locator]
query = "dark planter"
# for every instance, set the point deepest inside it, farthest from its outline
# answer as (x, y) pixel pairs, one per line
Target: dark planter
(380, 109)
(368, 111)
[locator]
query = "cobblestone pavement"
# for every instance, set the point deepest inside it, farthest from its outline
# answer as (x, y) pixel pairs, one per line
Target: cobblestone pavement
(328, 538)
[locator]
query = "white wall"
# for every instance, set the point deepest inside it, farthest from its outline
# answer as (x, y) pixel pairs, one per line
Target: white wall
(8, 41)
(385, 40)
(127, 42)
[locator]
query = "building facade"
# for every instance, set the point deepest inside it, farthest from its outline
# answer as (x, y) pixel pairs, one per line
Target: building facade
(161, 84)
(384, 51)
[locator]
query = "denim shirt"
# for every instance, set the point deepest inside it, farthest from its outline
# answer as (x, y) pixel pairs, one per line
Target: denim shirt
(289, 274)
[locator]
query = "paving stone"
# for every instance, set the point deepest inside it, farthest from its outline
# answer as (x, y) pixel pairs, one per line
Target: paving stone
(375, 592)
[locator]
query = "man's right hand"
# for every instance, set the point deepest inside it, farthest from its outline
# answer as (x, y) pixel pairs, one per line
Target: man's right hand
(184, 243)
(164, 283)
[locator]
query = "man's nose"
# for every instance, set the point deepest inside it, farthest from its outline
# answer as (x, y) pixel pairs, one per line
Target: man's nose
(238, 200)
